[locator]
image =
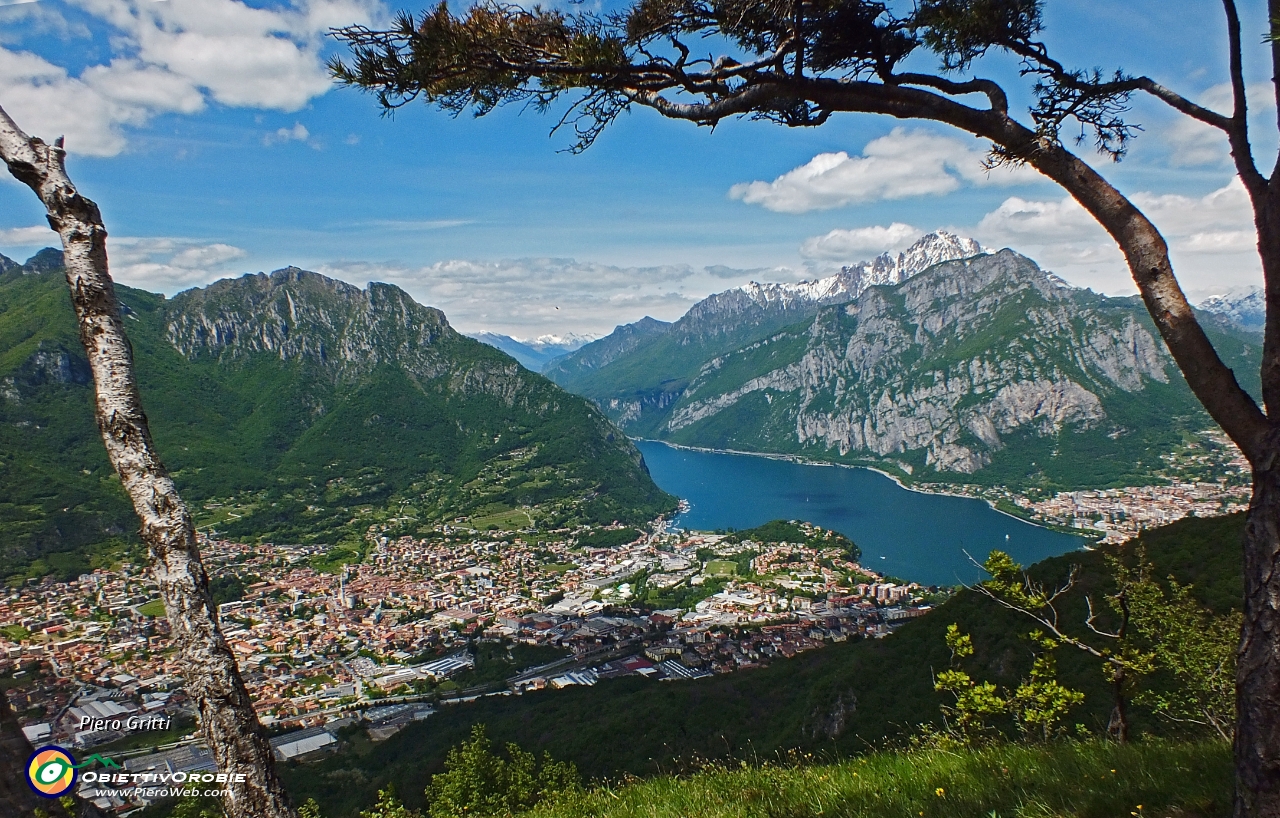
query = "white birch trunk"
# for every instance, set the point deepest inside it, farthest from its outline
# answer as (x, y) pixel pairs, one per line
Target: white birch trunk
(227, 717)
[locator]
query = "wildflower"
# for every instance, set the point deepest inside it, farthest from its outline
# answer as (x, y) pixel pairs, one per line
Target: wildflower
(939, 792)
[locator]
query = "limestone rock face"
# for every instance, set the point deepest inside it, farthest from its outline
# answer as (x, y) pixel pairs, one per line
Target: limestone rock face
(941, 369)
(339, 329)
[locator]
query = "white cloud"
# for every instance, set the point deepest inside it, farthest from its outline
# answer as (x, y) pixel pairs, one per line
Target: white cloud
(1192, 143)
(26, 17)
(855, 244)
(167, 265)
(534, 296)
(45, 101)
(1211, 239)
(34, 236)
(175, 57)
(896, 166)
(297, 133)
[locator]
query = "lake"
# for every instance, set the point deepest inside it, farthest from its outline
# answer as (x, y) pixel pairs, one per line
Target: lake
(902, 533)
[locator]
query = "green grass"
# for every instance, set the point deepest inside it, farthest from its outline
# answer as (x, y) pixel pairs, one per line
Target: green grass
(333, 559)
(504, 520)
(153, 608)
(721, 568)
(1085, 780)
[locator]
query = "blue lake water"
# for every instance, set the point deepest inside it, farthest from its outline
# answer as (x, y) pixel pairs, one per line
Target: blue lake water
(903, 533)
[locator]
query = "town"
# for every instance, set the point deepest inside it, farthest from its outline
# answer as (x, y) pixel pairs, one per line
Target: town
(421, 622)
(1205, 477)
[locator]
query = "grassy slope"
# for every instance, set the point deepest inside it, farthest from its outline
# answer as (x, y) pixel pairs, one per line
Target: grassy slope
(882, 687)
(1087, 780)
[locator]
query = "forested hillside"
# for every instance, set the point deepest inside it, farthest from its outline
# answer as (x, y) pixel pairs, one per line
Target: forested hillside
(292, 408)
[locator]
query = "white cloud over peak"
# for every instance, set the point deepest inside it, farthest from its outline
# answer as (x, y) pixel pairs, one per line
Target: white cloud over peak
(1211, 239)
(34, 236)
(896, 166)
(176, 57)
(536, 296)
(858, 243)
(168, 265)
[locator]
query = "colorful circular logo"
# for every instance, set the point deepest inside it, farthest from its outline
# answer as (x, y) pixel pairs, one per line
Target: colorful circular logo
(51, 771)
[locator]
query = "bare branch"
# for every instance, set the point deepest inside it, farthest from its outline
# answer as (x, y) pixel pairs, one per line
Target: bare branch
(1240, 149)
(1092, 616)
(1048, 624)
(1181, 103)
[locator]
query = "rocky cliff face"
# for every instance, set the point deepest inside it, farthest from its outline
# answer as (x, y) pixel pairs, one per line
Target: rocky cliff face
(889, 373)
(302, 316)
(941, 373)
(342, 330)
(641, 369)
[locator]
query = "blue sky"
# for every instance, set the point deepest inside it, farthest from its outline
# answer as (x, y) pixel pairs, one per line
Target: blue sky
(208, 132)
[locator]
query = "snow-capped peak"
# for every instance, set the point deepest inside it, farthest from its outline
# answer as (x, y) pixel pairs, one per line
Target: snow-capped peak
(1245, 306)
(930, 249)
(568, 340)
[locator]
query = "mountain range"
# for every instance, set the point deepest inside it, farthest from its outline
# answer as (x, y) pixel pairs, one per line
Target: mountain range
(640, 369)
(294, 408)
(944, 363)
(534, 353)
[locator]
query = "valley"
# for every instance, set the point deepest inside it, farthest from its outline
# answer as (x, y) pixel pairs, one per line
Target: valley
(410, 533)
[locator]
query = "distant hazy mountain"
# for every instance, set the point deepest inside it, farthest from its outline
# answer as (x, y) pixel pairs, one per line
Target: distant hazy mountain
(311, 410)
(534, 354)
(986, 367)
(1245, 307)
(642, 368)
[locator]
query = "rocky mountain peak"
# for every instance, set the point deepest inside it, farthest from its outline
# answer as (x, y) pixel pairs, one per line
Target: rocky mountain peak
(45, 261)
(930, 249)
(851, 281)
(300, 315)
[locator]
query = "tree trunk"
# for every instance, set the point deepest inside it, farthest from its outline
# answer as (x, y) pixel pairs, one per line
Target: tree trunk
(1118, 724)
(1257, 739)
(227, 717)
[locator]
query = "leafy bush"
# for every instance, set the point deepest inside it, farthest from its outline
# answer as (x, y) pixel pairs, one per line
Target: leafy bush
(479, 782)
